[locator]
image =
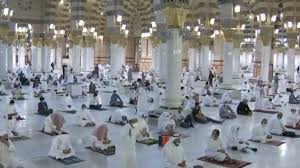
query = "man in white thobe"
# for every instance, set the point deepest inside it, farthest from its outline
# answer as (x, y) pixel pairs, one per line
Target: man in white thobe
(276, 127)
(6, 151)
(259, 132)
(61, 147)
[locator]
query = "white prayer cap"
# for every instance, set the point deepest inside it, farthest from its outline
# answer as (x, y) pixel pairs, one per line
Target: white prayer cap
(2, 133)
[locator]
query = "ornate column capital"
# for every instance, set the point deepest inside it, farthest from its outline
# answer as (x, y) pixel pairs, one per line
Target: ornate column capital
(118, 39)
(155, 41)
(228, 34)
(292, 38)
(88, 41)
(237, 39)
(266, 33)
(205, 40)
(193, 43)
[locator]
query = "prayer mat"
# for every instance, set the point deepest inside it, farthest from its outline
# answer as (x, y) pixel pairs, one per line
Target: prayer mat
(18, 99)
(230, 164)
(270, 142)
(148, 142)
(119, 124)
(70, 111)
(20, 118)
(296, 136)
(61, 92)
(69, 161)
(266, 111)
(110, 152)
(52, 134)
(3, 94)
(45, 115)
(197, 166)
(19, 138)
(106, 91)
(119, 106)
(101, 109)
(291, 127)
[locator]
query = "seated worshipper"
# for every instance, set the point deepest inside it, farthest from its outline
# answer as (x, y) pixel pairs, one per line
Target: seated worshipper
(37, 90)
(144, 129)
(243, 108)
(119, 117)
(2, 89)
(99, 139)
(276, 127)
(11, 116)
(245, 86)
(268, 104)
(54, 124)
(17, 93)
(43, 107)
(166, 124)
(277, 101)
(61, 147)
(92, 88)
(226, 111)
(226, 97)
(199, 117)
(259, 132)
(215, 149)
(293, 99)
(115, 100)
(69, 103)
(94, 102)
(209, 100)
(174, 153)
(292, 119)
(184, 117)
(84, 117)
(235, 142)
(7, 148)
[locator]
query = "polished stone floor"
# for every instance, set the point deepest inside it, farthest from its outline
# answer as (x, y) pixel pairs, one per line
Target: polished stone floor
(33, 153)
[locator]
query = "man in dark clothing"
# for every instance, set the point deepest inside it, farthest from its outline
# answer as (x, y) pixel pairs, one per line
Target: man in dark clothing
(115, 100)
(210, 78)
(243, 108)
(43, 107)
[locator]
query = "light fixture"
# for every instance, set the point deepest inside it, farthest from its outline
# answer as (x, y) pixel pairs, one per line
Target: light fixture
(126, 32)
(55, 31)
(5, 11)
(11, 13)
(285, 25)
(62, 32)
(29, 26)
(237, 9)
(81, 23)
(119, 18)
(290, 24)
(93, 29)
(151, 30)
(298, 25)
(212, 21)
(188, 27)
(153, 24)
(274, 17)
(198, 33)
(263, 17)
(54, 36)
(101, 13)
(95, 34)
(123, 27)
(276, 31)
(216, 32)
(84, 30)
(61, 2)
(243, 26)
(52, 26)
(196, 28)
(101, 37)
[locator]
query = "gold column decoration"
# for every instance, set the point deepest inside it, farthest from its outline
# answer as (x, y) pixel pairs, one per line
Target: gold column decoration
(228, 34)
(205, 40)
(76, 38)
(155, 41)
(175, 16)
(292, 39)
(193, 43)
(11, 37)
(266, 33)
(118, 39)
(237, 39)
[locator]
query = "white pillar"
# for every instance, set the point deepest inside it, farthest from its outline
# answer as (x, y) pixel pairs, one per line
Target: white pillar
(155, 59)
(75, 58)
(14, 56)
(53, 55)
(21, 57)
(84, 57)
(35, 59)
(192, 56)
(163, 61)
(116, 58)
(291, 63)
(90, 58)
(204, 59)
(10, 57)
(228, 61)
(58, 58)
(3, 60)
(265, 59)
(174, 56)
(236, 62)
(45, 59)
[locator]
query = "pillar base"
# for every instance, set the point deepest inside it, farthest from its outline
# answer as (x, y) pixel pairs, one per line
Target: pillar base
(226, 86)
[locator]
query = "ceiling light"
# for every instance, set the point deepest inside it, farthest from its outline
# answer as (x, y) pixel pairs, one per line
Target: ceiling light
(123, 27)
(237, 9)
(81, 23)
(119, 18)
(52, 26)
(298, 25)
(290, 24)
(274, 17)
(243, 26)
(196, 28)
(84, 30)
(93, 29)
(212, 21)
(5, 11)
(153, 24)
(263, 17)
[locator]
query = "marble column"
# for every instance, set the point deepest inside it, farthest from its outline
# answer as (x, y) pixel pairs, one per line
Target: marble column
(162, 61)
(21, 56)
(291, 68)
(45, 59)
(58, 58)
(192, 56)
(116, 58)
(90, 58)
(228, 46)
(10, 57)
(257, 58)
(75, 58)
(174, 56)
(84, 57)
(155, 58)
(265, 59)
(218, 61)
(238, 36)
(35, 59)
(3, 61)
(204, 58)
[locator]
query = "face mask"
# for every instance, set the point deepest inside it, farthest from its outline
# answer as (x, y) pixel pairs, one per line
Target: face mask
(135, 125)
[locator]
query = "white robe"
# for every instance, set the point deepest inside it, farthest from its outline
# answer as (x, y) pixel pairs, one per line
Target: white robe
(69, 102)
(127, 146)
(142, 107)
(209, 100)
(165, 120)
(11, 125)
(98, 144)
(59, 144)
(95, 101)
(292, 120)
(6, 154)
(226, 97)
(233, 138)
(173, 154)
(143, 125)
(259, 133)
(156, 98)
(84, 117)
(275, 126)
(116, 117)
(276, 101)
(49, 127)
(258, 98)
(212, 148)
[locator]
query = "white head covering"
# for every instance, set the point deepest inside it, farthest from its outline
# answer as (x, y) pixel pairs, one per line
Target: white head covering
(2, 133)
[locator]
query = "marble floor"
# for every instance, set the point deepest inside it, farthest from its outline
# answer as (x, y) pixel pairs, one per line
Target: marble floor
(33, 153)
